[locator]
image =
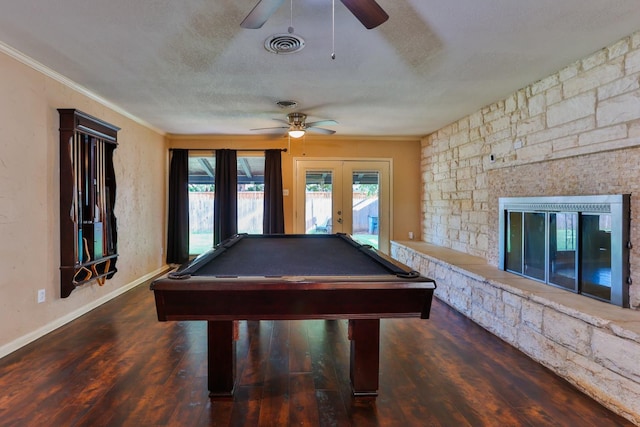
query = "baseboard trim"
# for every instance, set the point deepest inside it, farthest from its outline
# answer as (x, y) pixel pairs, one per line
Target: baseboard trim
(52, 326)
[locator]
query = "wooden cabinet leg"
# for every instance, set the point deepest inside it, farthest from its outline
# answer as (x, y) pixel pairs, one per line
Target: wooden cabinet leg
(221, 358)
(365, 356)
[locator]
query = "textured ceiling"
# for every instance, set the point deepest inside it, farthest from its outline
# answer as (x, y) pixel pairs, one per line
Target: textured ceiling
(187, 67)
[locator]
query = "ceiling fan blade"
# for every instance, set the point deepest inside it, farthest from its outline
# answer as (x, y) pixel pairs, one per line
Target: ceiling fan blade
(322, 123)
(260, 13)
(367, 11)
(271, 128)
(321, 130)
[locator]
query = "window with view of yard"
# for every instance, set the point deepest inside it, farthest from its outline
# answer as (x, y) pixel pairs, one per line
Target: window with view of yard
(202, 191)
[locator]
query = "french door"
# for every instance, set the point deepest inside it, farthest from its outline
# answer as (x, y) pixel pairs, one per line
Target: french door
(344, 196)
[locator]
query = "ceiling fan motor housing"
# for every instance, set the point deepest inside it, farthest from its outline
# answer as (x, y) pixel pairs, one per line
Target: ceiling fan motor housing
(296, 119)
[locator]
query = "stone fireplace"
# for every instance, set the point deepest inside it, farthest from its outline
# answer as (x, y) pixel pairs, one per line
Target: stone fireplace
(577, 243)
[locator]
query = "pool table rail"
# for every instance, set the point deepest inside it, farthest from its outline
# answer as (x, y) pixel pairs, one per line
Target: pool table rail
(281, 303)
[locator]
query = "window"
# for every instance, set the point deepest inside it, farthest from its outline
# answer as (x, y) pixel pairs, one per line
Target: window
(202, 191)
(574, 243)
(250, 193)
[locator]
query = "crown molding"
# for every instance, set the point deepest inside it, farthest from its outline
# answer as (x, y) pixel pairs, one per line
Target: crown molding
(228, 137)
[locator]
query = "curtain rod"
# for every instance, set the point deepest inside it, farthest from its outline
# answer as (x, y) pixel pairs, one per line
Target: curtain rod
(213, 149)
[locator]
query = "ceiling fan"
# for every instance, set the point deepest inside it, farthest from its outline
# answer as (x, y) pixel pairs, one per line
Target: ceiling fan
(297, 127)
(367, 11)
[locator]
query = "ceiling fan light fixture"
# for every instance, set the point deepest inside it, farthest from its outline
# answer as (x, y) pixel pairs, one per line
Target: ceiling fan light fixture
(296, 133)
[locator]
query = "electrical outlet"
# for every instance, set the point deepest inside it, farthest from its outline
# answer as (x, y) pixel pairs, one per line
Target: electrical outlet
(41, 295)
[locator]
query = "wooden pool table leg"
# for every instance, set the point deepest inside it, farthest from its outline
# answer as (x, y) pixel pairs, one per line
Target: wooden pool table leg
(221, 358)
(365, 356)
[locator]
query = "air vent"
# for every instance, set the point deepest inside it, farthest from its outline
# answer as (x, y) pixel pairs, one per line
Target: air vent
(287, 104)
(284, 43)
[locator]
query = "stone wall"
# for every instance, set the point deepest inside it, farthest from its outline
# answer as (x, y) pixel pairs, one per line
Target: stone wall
(574, 132)
(595, 346)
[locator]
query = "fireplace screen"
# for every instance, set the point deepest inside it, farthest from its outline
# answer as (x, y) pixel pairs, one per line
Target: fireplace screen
(575, 243)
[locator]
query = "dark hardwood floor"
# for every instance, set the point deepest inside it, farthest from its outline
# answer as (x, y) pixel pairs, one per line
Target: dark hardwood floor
(119, 366)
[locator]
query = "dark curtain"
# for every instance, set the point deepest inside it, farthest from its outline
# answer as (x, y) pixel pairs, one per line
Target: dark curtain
(225, 205)
(273, 221)
(178, 230)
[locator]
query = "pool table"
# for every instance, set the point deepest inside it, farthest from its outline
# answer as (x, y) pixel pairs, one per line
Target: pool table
(293, 276)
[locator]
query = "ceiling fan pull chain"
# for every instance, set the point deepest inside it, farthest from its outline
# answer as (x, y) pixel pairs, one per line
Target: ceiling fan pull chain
(291, 19)
(333, 29)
